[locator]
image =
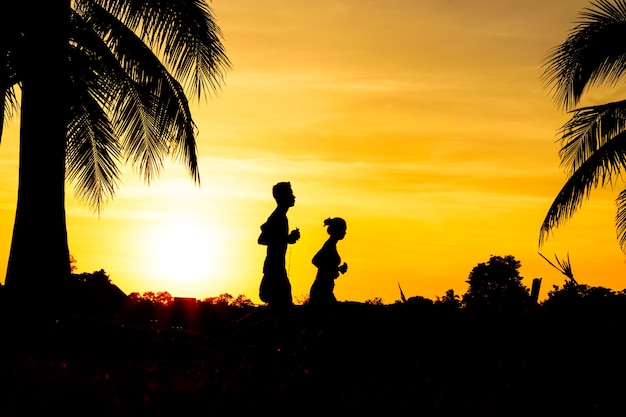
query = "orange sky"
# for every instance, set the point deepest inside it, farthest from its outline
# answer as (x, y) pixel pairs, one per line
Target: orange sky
(423, 124)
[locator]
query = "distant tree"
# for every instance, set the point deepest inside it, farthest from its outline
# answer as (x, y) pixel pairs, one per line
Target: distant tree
(302, 299)
(228, 300)
(73, 266)
(134, 297)
(222, 299)
(148, 296)
(139, 310)
(418, 300)
(449, 299)
(149, 308)
(95, 278)
(242, 301)
(496, 286)
(376, 301)
(162, 298)
(575, 299)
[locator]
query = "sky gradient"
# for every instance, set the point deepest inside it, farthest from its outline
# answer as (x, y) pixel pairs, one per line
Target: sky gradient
(424, 124)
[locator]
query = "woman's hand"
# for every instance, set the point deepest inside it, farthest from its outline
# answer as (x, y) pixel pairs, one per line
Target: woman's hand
(343, 268)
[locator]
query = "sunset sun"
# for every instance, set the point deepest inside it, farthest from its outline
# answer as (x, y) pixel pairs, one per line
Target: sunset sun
(183, 253)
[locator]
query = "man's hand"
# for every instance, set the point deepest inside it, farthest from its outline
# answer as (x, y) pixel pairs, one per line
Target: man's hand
(294, 236)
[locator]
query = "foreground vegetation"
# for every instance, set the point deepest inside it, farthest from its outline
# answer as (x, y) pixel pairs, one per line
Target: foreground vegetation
(153, 355)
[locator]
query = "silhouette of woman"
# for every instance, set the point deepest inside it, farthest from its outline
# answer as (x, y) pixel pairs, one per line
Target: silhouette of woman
(328, 263)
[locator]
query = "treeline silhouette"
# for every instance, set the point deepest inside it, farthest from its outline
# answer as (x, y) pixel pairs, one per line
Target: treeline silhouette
(495, 289)
(493, 351)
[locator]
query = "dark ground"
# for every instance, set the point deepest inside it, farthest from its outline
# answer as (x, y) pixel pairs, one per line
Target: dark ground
(361, 360)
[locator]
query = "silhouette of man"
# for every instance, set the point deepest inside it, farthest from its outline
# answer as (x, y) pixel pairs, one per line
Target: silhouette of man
(275, 289)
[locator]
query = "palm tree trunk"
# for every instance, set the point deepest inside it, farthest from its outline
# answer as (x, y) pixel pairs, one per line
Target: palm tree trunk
(39, 255)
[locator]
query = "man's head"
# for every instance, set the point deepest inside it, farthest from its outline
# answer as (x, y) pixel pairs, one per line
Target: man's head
(283, 194)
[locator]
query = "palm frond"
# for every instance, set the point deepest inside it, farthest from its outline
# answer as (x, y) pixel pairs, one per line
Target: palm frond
(620, 220)
(184, 32)
(92, 157)
(588, 130)
(8, 81)
(193, 46)
(92, 151)
(590, 55)
(151, 112)
(565, 266)
(599, 169)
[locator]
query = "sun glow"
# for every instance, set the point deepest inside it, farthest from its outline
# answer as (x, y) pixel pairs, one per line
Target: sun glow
(183, 253)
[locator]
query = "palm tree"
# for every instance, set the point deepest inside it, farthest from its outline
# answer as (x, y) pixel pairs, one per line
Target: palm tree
(97, 83)
(593, 141)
